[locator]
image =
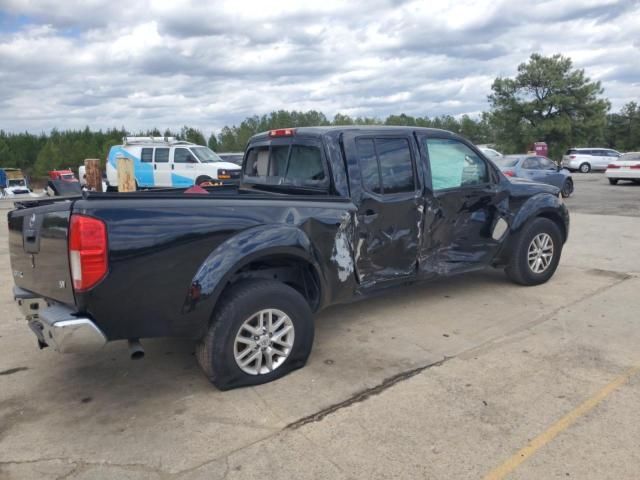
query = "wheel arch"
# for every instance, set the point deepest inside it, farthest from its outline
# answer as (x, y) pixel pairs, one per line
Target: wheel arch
(283, 253)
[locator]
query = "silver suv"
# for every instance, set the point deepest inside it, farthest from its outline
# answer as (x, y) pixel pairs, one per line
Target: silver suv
(587, 159)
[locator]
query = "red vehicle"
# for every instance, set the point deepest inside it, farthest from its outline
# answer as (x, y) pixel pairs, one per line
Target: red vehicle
(66, 175)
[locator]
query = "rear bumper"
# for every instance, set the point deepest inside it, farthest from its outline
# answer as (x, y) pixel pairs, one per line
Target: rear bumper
(58, 326)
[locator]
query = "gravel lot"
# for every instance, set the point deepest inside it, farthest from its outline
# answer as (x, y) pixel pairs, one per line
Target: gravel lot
(471, 377)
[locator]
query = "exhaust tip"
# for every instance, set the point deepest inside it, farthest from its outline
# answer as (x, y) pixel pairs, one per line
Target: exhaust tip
(136, 352)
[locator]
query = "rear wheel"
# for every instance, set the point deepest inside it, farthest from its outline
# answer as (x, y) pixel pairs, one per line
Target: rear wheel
(535, 253)
(261, 331)
(567, 188)
(585, 167)
(613, 181)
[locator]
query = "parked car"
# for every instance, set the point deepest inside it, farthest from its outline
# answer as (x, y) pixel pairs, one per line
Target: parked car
(233, 157)
(323, 216)
(167, 162)
(538, 169)
(626, 167)
(587, 159)
(490, 153)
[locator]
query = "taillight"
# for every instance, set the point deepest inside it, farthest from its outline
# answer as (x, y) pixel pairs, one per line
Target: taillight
(509, 173)
(636, 166)
(88, 252)
(572, 156)
(613, 165)
(282, 132)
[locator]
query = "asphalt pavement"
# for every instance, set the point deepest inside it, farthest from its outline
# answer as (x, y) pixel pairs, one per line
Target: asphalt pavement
(469, 377)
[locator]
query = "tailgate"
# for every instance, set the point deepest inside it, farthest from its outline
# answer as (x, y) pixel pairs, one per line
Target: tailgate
(38, 250)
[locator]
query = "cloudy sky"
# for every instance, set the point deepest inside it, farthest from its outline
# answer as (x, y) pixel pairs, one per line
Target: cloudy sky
(145, 64)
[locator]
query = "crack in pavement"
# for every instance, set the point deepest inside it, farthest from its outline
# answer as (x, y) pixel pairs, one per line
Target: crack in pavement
(80, 465)
(364, 394)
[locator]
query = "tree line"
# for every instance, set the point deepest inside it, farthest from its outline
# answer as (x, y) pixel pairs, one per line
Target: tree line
(548, 100)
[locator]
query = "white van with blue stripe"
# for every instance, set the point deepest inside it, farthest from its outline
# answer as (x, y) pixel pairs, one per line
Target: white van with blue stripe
(167, 162)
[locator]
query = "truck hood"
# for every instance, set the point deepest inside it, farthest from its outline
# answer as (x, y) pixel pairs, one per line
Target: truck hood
(226, 165)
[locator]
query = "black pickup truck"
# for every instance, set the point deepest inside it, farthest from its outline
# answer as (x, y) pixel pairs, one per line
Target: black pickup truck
(322, 216)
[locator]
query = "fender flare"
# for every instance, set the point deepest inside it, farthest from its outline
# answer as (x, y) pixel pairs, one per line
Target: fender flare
(234, 253)
(541, 205)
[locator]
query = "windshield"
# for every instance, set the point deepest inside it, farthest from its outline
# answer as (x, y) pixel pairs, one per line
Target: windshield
(293, 165)
(506, 161)
(17, 183)
(206, 155)
(233, 157)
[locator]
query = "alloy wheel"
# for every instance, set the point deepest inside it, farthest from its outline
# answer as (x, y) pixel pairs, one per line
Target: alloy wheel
(540, 253)
(264, 341)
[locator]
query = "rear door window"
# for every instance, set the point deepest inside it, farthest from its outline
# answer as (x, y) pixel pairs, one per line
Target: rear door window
(386, 165)
(369, 168)
(396, 167)
(531, 163)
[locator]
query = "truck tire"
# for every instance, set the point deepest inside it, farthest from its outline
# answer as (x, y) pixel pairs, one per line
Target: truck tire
(260, 331)
(535, 253)
(567, 188)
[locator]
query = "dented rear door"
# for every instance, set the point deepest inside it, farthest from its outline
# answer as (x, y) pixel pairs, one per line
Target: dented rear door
(389, 206)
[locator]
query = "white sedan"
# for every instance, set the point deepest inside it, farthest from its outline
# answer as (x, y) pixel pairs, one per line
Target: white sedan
(625, 167)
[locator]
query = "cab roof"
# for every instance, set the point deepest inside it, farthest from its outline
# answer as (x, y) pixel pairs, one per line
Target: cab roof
(324, 130)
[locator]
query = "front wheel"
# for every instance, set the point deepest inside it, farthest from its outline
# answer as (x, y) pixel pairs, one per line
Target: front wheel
(535, 253)
(567, 188)
(261, 331)
(613, 181)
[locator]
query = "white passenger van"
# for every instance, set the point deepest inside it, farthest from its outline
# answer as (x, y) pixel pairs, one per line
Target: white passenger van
(167, 162)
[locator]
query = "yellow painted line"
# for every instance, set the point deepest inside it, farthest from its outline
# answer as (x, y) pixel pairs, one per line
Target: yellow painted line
(554, 430)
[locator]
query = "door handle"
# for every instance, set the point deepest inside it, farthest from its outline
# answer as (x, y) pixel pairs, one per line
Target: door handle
(155, 167)
(172, 166)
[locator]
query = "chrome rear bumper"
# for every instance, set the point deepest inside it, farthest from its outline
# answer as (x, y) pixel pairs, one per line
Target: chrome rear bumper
(58, 326)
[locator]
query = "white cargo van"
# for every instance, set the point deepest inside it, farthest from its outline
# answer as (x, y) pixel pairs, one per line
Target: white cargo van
(167, 162)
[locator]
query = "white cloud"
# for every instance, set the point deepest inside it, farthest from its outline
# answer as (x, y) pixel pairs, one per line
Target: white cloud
(169, 63)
